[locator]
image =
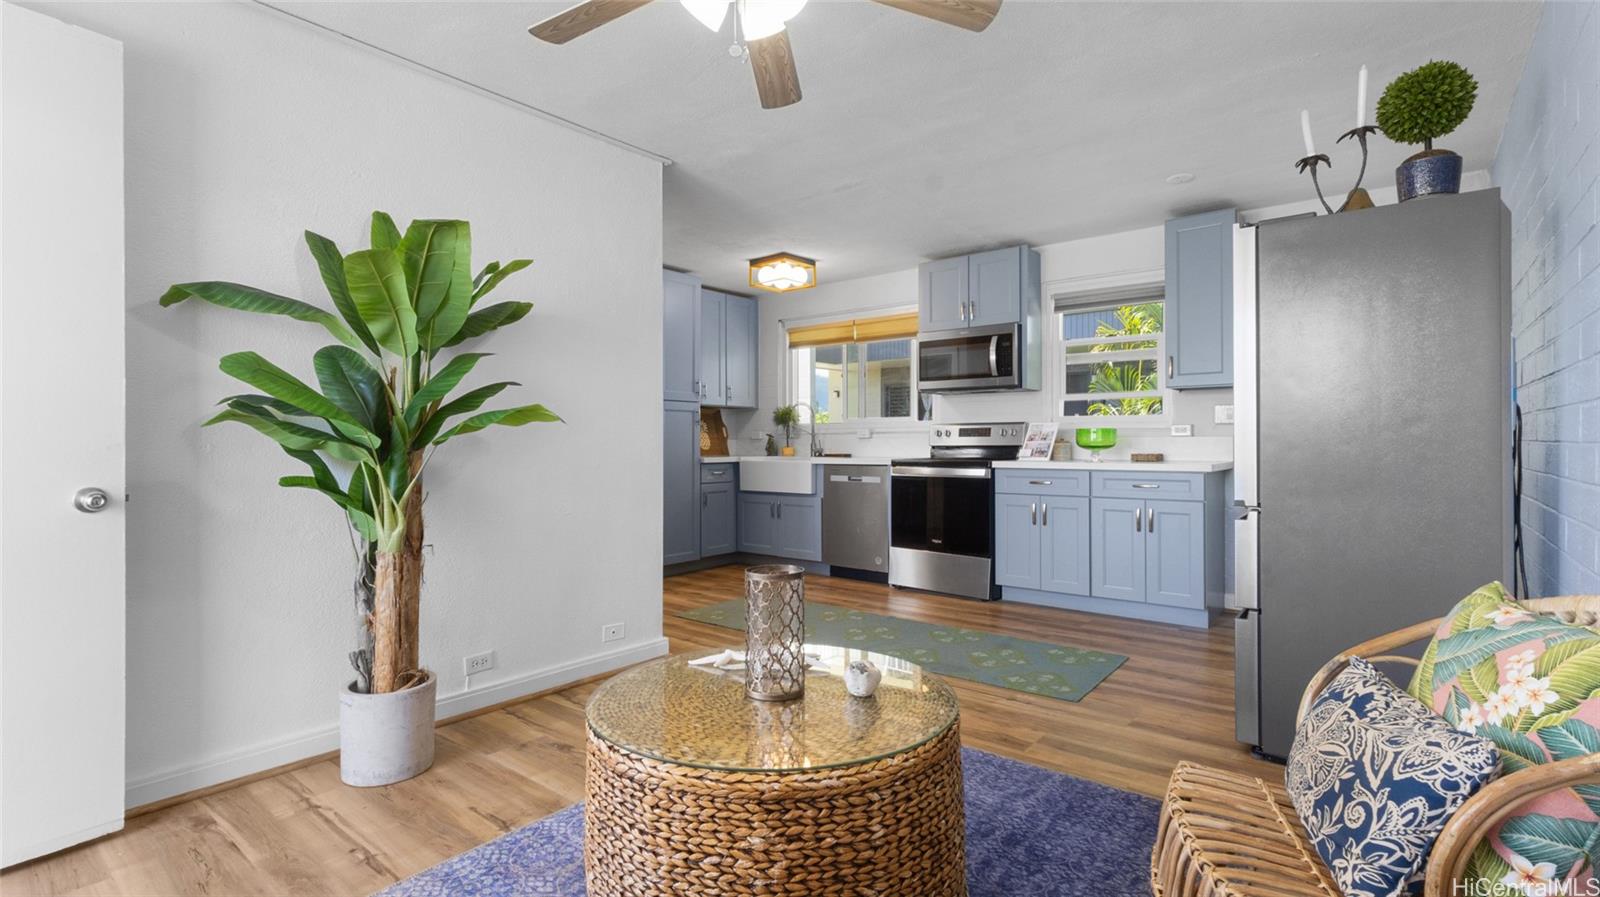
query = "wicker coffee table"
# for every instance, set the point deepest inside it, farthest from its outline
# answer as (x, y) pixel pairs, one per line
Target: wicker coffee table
(694, 789)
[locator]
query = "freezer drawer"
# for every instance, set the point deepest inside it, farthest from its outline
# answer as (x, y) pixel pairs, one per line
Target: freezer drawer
(855, 517)
(1247, 677)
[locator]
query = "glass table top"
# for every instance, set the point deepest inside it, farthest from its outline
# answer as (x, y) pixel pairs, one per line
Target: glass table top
(699, 716)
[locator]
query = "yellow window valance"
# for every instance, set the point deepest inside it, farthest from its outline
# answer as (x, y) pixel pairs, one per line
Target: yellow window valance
(854, 331)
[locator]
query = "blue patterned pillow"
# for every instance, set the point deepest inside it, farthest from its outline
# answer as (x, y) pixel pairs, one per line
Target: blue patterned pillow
(1374, 776)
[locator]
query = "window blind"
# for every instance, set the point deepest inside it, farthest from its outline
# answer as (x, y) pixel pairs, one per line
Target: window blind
(854, 331)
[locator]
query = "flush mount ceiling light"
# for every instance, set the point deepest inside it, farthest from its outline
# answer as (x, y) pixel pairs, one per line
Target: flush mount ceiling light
(761, 28)
(1182, 177)
(783, 272)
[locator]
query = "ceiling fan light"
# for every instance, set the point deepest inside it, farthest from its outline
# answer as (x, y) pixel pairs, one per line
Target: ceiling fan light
(711, 13)
(764, 18)
(783, 272)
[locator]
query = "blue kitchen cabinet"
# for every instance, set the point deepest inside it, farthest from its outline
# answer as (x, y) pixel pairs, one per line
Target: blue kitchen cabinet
(758, 523)
(681, 482)
(712, 387)
(1016, 541)
(1117, 551)
(680, 330)
(1199, 300)
(719, 531)
(942, 295)
(1175, 545)
(741, 334)
(799, 529)
(1064, 544)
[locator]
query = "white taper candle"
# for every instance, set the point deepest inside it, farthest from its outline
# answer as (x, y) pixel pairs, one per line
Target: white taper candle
(1361, 99)
(1305, 131)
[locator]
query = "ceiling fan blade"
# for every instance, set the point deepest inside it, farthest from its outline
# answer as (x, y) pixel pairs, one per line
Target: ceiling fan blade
(582, 19)
(973, 15)
(773, 62)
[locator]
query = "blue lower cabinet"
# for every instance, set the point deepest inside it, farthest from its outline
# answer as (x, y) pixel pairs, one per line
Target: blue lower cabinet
(1175, 546)
(1064, 545)
(1116, 541)
(1016, 541)
(799, 532)
(681, 483)
(719, 531)
(758, 523)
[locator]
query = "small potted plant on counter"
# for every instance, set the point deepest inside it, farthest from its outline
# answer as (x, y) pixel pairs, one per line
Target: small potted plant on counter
(1421, 106)
(787, 417)
(382, 407)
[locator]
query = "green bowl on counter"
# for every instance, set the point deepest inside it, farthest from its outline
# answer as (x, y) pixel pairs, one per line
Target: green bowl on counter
(1096, 438)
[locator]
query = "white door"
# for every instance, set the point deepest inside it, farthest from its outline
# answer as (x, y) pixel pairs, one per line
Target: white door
(61, 430)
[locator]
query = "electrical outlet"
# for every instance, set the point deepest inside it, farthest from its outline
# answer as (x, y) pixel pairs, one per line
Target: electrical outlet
(477, 663)
(1223, 414)
(863, 434)
(611, 632)
(1183, 429)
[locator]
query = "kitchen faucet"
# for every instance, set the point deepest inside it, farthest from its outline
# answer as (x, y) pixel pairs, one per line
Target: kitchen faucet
(816, 447)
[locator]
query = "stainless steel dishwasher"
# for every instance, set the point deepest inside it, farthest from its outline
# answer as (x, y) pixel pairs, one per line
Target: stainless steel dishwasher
(855, 517)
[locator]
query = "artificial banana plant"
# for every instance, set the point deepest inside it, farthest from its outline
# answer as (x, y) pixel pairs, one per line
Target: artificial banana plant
(384, 405)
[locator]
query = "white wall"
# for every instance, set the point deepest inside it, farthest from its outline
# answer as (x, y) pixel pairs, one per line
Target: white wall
(1121, 259)
(243, 129)
(1548, 169)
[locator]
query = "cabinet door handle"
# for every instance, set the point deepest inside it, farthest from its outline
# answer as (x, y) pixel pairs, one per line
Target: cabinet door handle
(1169, 367)
(1046, 506)
(703, 499)
(1033, 514)
(1149, 520)
(1040, 482)
(1138, 520)
(1147, 485)
(728, 393)
(780, 512)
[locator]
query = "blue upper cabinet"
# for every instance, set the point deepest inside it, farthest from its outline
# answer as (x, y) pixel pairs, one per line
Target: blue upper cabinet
(713, 305)
(740, 336)
(994, 287)
(1199, 300)
(942, 294)
(680, 327)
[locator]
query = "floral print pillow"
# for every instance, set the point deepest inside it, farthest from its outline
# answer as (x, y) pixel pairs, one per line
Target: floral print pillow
(1531, 685)
(1374, 775)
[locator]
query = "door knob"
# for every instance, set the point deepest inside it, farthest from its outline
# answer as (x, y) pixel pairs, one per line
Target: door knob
(90, 499)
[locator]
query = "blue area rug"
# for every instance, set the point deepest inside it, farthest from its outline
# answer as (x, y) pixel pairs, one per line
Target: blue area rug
(1030, 833)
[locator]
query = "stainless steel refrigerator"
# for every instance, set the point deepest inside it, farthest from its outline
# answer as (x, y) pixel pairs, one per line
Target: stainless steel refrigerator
(1372, 435)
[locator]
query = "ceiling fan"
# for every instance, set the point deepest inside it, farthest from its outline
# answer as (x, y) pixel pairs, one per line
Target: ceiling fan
(761, 25)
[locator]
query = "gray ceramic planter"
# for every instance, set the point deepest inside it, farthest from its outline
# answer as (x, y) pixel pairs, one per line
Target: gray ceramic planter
(386, 738)
(1434, 171)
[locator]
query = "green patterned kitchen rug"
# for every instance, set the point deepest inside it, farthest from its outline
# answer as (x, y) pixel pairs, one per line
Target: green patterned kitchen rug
(1056, 671)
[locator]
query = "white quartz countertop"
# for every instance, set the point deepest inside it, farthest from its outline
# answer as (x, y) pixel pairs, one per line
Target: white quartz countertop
(779, 459)
(1150, 466)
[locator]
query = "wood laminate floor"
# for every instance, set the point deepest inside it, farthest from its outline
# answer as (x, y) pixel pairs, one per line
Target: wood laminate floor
(302, 832)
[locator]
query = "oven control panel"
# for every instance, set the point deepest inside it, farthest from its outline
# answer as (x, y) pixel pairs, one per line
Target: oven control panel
(977, 434)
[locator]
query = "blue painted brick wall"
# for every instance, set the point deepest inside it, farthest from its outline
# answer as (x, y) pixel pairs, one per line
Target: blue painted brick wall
(1548, 169)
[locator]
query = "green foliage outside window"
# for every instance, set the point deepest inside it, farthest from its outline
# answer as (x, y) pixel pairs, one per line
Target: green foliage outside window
(1140, 376)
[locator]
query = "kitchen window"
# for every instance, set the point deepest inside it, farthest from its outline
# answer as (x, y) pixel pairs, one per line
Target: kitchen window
(855, 370)
(1111, 360)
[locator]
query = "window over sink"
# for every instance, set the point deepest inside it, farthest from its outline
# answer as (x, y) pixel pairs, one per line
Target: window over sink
(1111, 360)
(855, 370)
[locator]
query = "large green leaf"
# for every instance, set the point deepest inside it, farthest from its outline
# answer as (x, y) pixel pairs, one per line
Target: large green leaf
(354, 385)
(331, 264)
(428, 255)
(481, 287)
(288, 434)
(457, 304)
(1548, 839)
(243, 298)
(1465, 650)
(1517, 751)
(440, 384)
(319, 468)
(488, 318)
(280, 384)
(466, 403)
(384, 234)
(1575, 679)
(266, 403)
(1571, 738)
(505, 417)
(484, 274)
(378, 286)
(1558, 654)
(1482, 680)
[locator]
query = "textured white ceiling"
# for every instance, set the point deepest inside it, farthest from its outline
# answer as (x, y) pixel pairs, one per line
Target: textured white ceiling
(916, 139)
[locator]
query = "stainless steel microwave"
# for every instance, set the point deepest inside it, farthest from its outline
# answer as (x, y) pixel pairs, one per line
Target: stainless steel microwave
(979, 359)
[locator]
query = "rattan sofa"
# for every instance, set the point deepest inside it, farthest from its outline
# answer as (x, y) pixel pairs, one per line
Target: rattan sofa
(1226, 834)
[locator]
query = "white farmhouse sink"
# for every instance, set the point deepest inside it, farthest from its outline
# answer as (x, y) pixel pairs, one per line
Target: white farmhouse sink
(775, 475)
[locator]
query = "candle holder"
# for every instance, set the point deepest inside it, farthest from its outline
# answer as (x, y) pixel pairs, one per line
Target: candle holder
(1310, 162)
(1357, 198)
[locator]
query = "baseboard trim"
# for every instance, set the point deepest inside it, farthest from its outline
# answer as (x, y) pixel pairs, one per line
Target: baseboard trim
(1154, 613)
(181, 783)
(60, 842)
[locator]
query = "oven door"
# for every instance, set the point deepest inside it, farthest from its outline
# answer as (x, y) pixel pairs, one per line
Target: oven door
(948, 510)
(981, 358)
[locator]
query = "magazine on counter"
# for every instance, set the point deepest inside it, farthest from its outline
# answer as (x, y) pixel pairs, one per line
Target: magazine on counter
(1040, 442)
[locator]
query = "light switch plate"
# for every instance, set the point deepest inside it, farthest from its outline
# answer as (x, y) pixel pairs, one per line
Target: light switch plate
(1183, 429)
(1223, 414)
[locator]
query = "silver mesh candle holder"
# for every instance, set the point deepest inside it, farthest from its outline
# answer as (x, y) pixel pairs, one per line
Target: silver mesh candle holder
(775, 632)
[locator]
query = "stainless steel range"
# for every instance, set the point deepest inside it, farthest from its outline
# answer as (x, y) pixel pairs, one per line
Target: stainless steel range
(942, 510)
